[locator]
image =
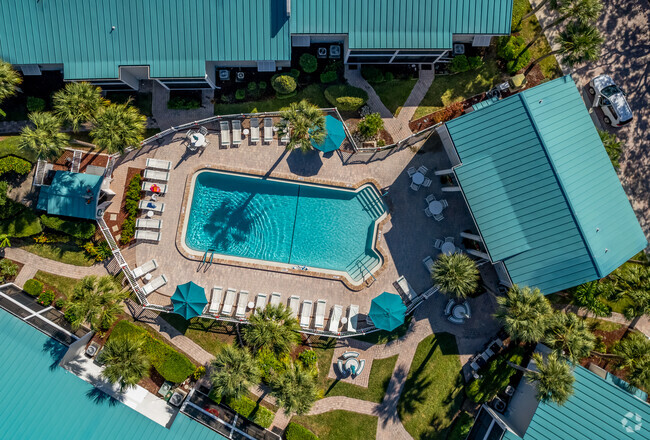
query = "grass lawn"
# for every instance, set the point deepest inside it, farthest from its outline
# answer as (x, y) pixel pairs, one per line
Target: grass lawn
(9, 145)
(24, 224)
(211, 335)
(61, 284)
(462, 426)
(380, 374)
(604, 326)
(312, 93)
(394, 93)
(68, 253)
(495, 376)
(340, 425)
(324, 348)
(433, 392)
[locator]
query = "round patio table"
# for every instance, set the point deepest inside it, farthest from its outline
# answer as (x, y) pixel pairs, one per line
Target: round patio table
(251, 304)
(352, 362)
(148, 277)
(344, 320)
(197, 139)
(418, 178)
(149, 214)
(448, 248)
(245, 131)
(435, 207)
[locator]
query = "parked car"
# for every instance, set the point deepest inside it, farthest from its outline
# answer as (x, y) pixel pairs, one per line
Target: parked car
(611, 100)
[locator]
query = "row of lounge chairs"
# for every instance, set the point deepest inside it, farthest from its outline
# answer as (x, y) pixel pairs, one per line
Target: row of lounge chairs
(218, 308)
(254, 138)
(336, 313)
(146, 268)
(147, 228)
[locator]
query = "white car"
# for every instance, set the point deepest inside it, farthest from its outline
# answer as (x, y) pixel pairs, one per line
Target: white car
(611, 100)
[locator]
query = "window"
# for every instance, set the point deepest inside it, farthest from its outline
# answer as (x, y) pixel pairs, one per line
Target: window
(482, 40)
(300, 41)
(266, 66)
(369, 60)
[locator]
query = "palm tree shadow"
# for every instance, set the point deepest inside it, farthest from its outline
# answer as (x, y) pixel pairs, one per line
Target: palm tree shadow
(99, 397)
(56, 351)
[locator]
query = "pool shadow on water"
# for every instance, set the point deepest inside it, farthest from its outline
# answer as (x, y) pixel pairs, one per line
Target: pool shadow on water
(56, 350)
(304, 164)
(238, 221)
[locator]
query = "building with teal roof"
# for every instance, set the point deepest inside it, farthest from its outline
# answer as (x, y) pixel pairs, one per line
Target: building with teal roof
(182, 43)
(71, 195)
(547, 203)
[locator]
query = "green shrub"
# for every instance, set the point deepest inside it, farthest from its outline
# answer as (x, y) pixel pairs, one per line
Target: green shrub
(389, 76)
(24, 223)
(128, 230)
(46, 298)
(8, 268)
(240, 94)
(75, 228)
(475, 62)
(69, 316)
(295, 431)
(295, 73)
(283, 84)
(286, 95)
(180, 103)
(270, 364)
(225, 98)
(33, 287)
(370, 125)
(253, 90)
(251, 86)
(372, 74)
(133, 195)
(59, 303)
(309, 358)
(308, 63)
(262, 85)
(346, 97)
(459, 64)
(461, 426)
(35, 104)
(99, 252)
(251, 410)
(508, 48)
(216, 398)
(328, 77)
(14, 164)
(495, 376)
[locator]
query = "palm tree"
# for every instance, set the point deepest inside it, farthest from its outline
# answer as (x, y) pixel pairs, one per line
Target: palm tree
(613, 146)
(588, 295)
(633, 354)
(272, 328)
(78, 102)
(455, 274)
(4, 241)
(524, 313)
(234, 371)
(96, 301)
(125, 361)
(553, 379)
(304, 122)
(45, 138)
(570, 336)
(633, 281)
(118, 126)
(295, 390)
(9, 82)
(578, 43)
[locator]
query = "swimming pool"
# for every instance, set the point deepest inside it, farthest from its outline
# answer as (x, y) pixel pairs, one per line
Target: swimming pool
(284, 222)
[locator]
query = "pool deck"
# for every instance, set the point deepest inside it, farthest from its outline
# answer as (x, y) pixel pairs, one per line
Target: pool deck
(407, 236)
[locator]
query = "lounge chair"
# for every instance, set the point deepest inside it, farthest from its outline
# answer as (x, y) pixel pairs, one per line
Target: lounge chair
(147, 267)
(353, 315)
(439, 217)
(228, 302)
(294, 303)
(428, 263)
(411, 171)
(268, 130)
(156, 175)
(444, 203)
(449, 239)
(260, 302)
(149, 223)
(147, 205)
(414, 187)
(241, 304)
(430, 198)
(406, 288)
(335, 319)
(162, 188)
(424, 170)
(454, 320)
(438, 244)
(160, 164)
(427, 212)
(275, 299)
(449, 306)
(154, 285)
(236, 132)
(225, 133)
(285, 138)
(144, 234)
(305, 314)
(215, 301)
(320, 313)
(427, 182)
(255, 131)
(203, 131)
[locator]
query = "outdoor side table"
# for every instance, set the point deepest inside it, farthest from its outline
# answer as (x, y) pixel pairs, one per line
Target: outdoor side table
(148, 277)
(448, 248)
(435, 207)
(149, 214)
(418, 178)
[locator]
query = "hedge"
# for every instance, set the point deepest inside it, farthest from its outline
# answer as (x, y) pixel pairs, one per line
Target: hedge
(283, 84)
(346, 97)
(372, 74)
(33, 287)
(15, 164)
(24, 224)
(328, 77)
(251, 410)
(508, 48)
(133, 194)
(308, 63)
(75, 228)
(178, 103)
(295, 431)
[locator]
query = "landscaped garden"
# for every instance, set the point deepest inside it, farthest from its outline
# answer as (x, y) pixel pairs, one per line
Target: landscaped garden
(392, 87)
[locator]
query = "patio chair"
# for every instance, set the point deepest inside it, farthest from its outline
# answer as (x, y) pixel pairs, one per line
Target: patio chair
(189, 134)
(454, 320)
(144, 234)
(236, 133)
(162, 187)
(449, 239)
(320, 313)
(362, 364)
(228, 302)
(305, 314)
(438, 244)
(225, 133)
(427, 212)
(241, 304)
(430, 198)
(428, 263)
(148, 223)
(411, 171)
(439, 217)
(427, 182)
(449, 306)
(414, 187)
(353, 315)
(160, 164)
(285, 138)
(468, 309)
(154, 285)
(444, 203)
(424, 170)
(406, 288)
(275, 299)
(255, 131)
(146, 205)
(294, 303)
(260, 302)
(335, 319)
(268, 130)
(215, 300)
(147, 267)
(203, 131)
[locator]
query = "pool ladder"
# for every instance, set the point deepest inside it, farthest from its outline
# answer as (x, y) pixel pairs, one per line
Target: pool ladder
(205, 258)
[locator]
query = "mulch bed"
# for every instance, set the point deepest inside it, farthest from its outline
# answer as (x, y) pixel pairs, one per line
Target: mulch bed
(64, 162)
(122, 213)
(153, 382)
(609, 339)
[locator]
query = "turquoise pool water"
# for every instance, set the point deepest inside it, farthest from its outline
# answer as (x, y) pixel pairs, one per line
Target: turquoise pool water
(44, 401)
(284, 222)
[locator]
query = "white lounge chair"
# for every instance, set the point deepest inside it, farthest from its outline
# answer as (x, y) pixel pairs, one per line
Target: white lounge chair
(411, 171)
(241, 304)
(144, 234)
(162, 188)
(285, 138)
(353, 315)
(148, 205)
(159, 164)
(147, 267)
(215, 301)
(260, 302)
(275, 298)
(305, 314)
(268, 130)
(225, 133)
(320, 313)
(156, 175)
(255, 131)
(428, 263)
(148, 223)
(236, 132)
(154, 285)
(406, 288)
(335, 319)
(228, 302)
(294, 303)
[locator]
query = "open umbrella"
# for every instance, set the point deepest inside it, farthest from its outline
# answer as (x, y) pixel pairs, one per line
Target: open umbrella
(189, 300)
(335, 135)
(387, 311)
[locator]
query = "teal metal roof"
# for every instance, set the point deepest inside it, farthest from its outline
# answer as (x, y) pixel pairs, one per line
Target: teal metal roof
(555, 219)
(173, 37)
(43, 401)
(71, 195)
(401, 24)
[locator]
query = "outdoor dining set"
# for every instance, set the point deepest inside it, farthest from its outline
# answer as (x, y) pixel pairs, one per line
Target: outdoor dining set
(419, 179)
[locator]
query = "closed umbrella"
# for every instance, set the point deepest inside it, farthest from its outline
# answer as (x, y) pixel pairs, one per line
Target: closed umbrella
(387, 311)
(189, 300)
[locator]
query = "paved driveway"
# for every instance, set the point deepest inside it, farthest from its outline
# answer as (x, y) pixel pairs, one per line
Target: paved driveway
(625, 57)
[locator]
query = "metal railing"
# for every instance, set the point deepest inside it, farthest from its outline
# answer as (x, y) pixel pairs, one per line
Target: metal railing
(39, 174)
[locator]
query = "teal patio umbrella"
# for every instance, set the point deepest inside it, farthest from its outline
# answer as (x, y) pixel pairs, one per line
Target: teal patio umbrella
(335, 135)
(387, 311)
(189, 300)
